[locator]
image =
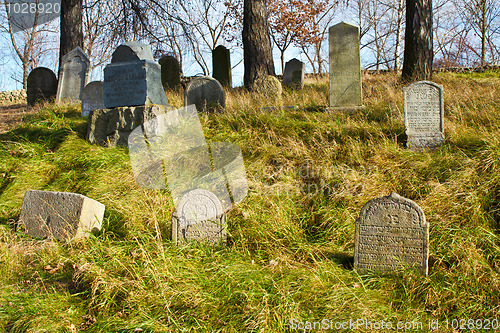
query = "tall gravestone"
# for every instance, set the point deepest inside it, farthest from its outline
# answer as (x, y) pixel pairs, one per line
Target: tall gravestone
(221, 66)
(391, 232)
(41, 85)
(92, 97)
(206, 93)
(293, 74)
(133, 78)
(74, 74)
(424, 115)
(345, 67)
(170, 72)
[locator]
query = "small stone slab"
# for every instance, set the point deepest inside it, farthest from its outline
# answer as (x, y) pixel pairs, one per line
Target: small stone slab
(199, 217)
(41, 86)
(60, 215)
(74, 74)
(132, 51)
(221, 66)
(206, 93)
(92, 97)
(424, 115)
(391, 232)
(170, 72)
(293, 75)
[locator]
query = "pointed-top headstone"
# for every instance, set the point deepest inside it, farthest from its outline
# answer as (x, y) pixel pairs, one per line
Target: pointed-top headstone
(74, 74)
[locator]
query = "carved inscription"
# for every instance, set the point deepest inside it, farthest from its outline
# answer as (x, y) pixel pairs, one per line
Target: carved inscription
(390, 233)
(423, 107)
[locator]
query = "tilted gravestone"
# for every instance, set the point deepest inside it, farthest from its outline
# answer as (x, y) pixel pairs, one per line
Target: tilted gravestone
(424, 115)
(74, 74)
(170, 72)
(345, 67)
(391, 233)
(199, 217)
(41, 85)
(92, 97)
(133, 78)
(268, 86)
(293, 74)
(60, 215)
(206, 94)
(221, 66)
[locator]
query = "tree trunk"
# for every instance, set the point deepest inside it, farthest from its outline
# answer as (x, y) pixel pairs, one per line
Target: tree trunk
(257, 51)
(71, 26)
(399, 35)
(418, 53)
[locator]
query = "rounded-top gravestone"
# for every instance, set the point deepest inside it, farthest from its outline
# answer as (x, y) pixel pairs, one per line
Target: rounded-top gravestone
(41, 85)
(268, 86)
(221, 66)
(132, 51)
(170, 72)
(293, 75)
(206, 93)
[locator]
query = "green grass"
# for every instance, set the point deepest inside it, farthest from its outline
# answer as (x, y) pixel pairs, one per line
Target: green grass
(291, 241)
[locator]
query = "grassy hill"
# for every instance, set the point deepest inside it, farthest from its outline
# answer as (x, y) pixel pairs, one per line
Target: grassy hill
(291, 241)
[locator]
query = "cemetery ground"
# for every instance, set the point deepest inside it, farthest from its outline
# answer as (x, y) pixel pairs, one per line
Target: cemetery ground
(291, 241)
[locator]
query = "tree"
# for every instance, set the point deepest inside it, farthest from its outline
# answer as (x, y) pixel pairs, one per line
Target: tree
(257, 51)
(418, 53)
(71, 27)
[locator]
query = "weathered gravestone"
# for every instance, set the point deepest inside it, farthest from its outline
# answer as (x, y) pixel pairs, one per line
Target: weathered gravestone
(41, 86)
(424, 115)
(170, 72)
(112, 127)
(199, 217)
(345, 67)
(92, 97)
(391, 232)
(206, 94)
(221, 66)
(60, 215)
(268, 86)
(74, 74)
(293, 75)
(133, 78)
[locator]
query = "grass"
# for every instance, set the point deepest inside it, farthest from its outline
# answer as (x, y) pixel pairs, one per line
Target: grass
(291, 241)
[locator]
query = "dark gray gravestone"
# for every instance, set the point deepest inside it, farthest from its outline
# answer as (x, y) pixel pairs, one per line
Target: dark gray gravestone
(41, 85)
(345, 67)
(74, 74)
(391, 232)
(424, 115)
(132, 78)
(60, 215)
(206, 94)
(92, 97)
(221, 66)
(170, 72)
(293, 75)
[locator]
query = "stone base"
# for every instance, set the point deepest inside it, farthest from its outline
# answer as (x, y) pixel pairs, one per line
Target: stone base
(112, 127)
(60, 215)
(344, 108)
(422, 143)
(210, 232)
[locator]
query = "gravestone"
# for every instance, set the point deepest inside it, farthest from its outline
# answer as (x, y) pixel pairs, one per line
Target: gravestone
(206, 93)
(74, 74)
(424, 115)
(60, 215)
(268, 86)
(391, 232)
(41, 86)
(133, 78)
(170, 72)
(199, 217)
(221, 66)
(345, 67)
(92, 97)
(293, 75)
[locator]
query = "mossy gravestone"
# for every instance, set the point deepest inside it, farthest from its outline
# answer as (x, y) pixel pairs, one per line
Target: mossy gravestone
(170, 72)
(221, 66)
(41, 86)
(60, 215)
(293, 75)
(74, 74)
(424, 115)
(391, 233)
(268, 86)
(206, 94)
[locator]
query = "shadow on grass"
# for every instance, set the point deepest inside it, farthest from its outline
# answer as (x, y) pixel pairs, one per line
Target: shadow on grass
(51, 139)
